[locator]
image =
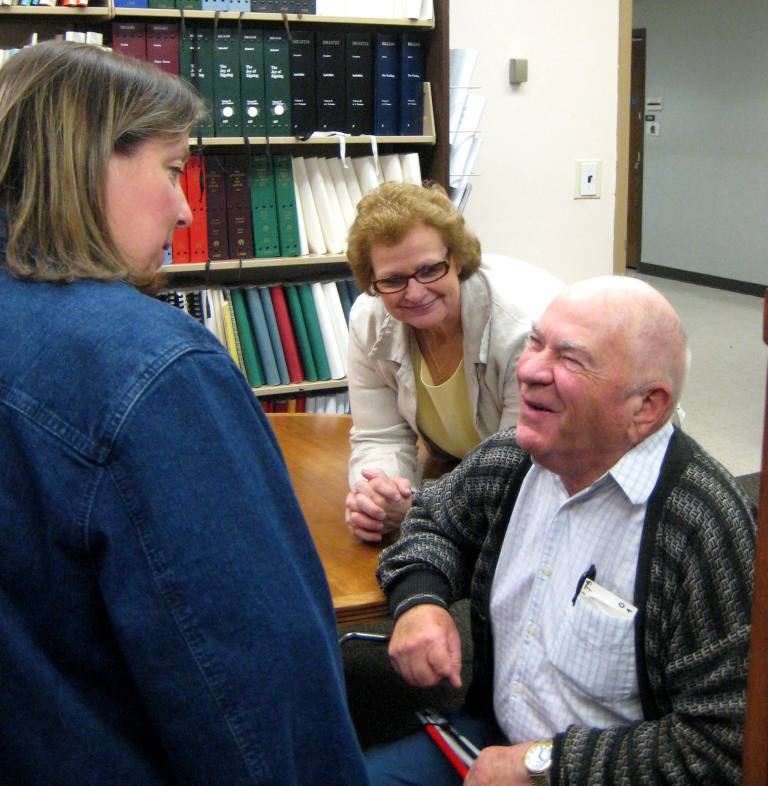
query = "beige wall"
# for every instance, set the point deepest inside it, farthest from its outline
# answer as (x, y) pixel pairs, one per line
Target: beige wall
(522, 199)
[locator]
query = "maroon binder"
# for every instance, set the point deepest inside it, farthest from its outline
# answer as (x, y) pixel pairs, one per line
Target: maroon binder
(238, 207)
(163, 46)
(130, 38)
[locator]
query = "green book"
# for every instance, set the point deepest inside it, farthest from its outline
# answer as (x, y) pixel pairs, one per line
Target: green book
(253, 369)
(313, 331)
(189, 5)
(227, 108)
(196, 66)
(300, 331)
(160, 4)
(277, 83)
(266, 242)
(285, 200)
(252, 81)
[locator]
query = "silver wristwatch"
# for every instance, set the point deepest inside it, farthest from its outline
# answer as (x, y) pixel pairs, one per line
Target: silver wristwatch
(538, 760)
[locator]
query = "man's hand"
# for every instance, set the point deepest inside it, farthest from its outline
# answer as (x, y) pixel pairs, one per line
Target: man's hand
(499, 766)
(378, 505)
(426, 647)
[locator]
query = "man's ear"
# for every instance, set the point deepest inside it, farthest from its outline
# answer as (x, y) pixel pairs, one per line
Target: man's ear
(652, 411)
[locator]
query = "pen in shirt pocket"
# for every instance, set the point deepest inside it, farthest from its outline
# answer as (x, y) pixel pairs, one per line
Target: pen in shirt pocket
(591, 574)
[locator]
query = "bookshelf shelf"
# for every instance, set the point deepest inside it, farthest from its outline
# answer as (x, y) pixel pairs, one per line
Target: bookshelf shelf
(102, 12)
(271, 270)
(304, 19)
(300, 387)
(428, 138)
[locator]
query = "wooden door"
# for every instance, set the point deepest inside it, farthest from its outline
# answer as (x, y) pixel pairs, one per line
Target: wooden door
(636, 129)
(755, 771)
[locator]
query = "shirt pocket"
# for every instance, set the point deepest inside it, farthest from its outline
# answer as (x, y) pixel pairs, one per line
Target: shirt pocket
(596, 653)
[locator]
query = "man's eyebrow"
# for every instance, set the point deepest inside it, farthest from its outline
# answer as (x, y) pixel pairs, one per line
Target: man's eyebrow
(574, 346)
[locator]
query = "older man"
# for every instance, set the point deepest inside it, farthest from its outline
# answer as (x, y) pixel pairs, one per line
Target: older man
(609, 561)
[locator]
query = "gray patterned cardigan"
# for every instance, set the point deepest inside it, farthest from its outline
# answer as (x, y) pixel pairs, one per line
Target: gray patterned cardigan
(693, 590)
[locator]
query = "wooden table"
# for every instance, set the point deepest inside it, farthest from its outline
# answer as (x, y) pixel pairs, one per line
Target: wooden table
(316, 449)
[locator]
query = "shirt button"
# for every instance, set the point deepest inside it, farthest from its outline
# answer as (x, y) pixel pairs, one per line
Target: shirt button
(519, 687)
(532, 631)
(546, 570)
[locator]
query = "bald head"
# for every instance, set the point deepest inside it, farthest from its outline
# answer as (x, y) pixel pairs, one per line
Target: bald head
(641, 325)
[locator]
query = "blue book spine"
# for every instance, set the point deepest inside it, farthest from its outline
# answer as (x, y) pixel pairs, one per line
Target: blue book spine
(131, 4)
(261, 333)
(346, 303)
(411, 109)
(274, 335)
(386, 79)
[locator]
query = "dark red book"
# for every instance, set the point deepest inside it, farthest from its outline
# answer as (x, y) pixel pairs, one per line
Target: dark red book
(238, 207)
(163, 46)
(180, 250)
(198, 231)
(216, 208)
(130, 38)
(287, 337)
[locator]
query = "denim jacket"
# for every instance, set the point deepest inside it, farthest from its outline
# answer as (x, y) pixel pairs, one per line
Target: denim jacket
(164, 617)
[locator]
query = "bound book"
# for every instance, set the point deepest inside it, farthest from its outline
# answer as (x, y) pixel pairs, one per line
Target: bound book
(266, 242)
(327, 331)
(411, 110)
(163, 46)
(287, 337)
(196, 197)
(314, 333)
(315, 241)
(303, 78)
(285, 203)
(253, 368)
(238, 207)
(216, 208)
(331, 81)
(261, 333)
(252, 81)
(386, 78)
(277, 70)
(180, 242)
(300, 332)
(130, 38)
(196, 66)
(359, 85)
(227, 114)
(274, 335)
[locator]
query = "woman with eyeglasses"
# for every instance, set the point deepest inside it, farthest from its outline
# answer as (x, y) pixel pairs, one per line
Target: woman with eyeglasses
(433, 345)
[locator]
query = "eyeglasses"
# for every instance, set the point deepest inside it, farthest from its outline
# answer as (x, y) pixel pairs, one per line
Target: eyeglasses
(424, 275)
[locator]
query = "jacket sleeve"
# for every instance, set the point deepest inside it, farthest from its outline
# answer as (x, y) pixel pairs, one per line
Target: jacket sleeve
(446, 529)
(381, 438)
(214, 590)
(697, 635)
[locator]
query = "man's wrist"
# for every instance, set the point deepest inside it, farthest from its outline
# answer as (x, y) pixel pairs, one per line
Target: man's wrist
(538, 761)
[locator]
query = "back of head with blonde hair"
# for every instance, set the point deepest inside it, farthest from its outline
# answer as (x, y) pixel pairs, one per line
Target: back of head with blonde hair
(387, 214)
(64, 109)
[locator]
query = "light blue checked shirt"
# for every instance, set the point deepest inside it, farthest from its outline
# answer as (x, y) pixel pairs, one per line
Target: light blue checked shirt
(556, 663)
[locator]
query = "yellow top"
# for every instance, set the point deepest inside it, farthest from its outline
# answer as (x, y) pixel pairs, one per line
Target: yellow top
(442, 411)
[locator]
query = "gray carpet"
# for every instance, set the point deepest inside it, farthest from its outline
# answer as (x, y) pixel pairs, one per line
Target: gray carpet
(382, 705)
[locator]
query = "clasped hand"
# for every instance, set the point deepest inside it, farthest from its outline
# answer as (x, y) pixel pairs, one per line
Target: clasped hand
(377, 505)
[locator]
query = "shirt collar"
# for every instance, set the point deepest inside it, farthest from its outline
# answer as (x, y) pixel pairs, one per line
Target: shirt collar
(637, 471)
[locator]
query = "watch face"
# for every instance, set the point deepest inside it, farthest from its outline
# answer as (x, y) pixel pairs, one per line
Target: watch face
(538, 757)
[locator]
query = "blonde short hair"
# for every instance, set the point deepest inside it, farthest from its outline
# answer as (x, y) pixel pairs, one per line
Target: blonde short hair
(387, 214)
(65, 108)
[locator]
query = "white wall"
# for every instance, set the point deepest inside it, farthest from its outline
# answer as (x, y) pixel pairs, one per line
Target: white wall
(705, 188)
(522, 199)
